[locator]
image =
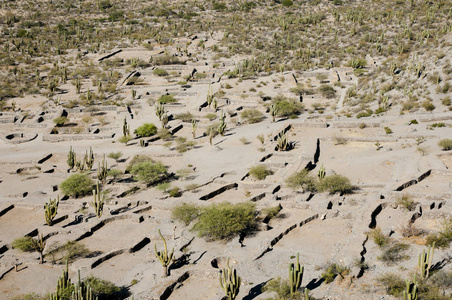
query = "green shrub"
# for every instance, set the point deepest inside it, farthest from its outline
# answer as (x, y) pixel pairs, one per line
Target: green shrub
(428, 105)
(211, 116)
(287, 3)
(260, 172)
(335, 184)
(103, 289)
(288, 107)
(160, 72)
(302, 180)
(406, 202)
(60, 121)
(363, 114)
(139, 158)
(184, 117)
(271, 212)
(164, 99)
(332, 270)
(394, 253)
(115, 155)
(445, 144)
(443, 238)
(438, 125)
(115, 173)
(379, 238)
(393, 284)
(77, 185)
(252, 115)
(147, 129)
(282, 289)
(388, 130)
(357, 63)
(175, 192)
(69, 252)
(31, 296)
(225, 220)
(24, 244)
(327, 91)
(164, 134)
(185, 213)
(149, 172)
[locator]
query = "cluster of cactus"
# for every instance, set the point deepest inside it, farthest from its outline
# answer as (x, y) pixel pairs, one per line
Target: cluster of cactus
(411, 290)
(50, 210)
(295, 276)
(39, 245)
(89, 159)
(165, 258)
(102, 170)
(71, 158)
(273, 112)
(210, 96)
(282, 141)
(64, 282)
(222, 126)
(98, 202)
(425, 261)
(230, 282)
(194, 126)
(321, 174)
(80, 291)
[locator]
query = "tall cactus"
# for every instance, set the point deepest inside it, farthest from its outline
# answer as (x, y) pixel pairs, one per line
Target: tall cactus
(159, 110)
(82, 291)
(209, 96)
(64, 282)
(102, 170)
(295, 276)
(164, 120)
(230, 282)
(321, 174)
(71, 158)
(89, 159)
(39, 244)
(273, 112)
(411, 290)
(194, 126)
(282, 142)
(165, 259)
(98, 202)
(50, 210)
(221, 127)
(425, 261)
(125, 128)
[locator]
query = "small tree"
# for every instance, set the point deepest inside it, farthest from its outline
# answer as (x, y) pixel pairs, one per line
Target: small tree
(149, 172)
(145, 130)
(77, 185)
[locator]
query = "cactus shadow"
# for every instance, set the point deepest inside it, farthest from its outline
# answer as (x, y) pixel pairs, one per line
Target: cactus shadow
(255, 291)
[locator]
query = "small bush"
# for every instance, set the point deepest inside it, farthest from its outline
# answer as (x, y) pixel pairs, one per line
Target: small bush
(357, 63)
(364, 114)
(288, 107)
(406, 202)
(185, 213)
(379, 238)
(184, 117)
(393, 284)
(160, 72)
(445, 144)
(410, 230)
(145, 130)
(281, 287)
(252, 115)
(138, 159)
(302, 180)
(211, 116)
(164, 99)
(225, 220)
(175, 192)
(149, 172)
(115, 155)
(335, 184)
(103, 289)
(428, 105)
(24, 244)
(327, 91)
(394, 253)
(287, 3)
(69, 252)
(333, 270)
(77, 185)
(60, 121)
(443, 238)
(260, 172)
(271, 212)
(388, 130)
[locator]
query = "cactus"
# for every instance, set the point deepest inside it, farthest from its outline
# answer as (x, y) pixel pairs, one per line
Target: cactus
(98, 202)
(71, 158)
(295, 276)
(164, 120)
(211, 135)
(221, 127)
(82, 291)
(273, 112)
(39, 246)
(165, 259)
(425, 261)
(215, 104)
(411, 290)
(282, 142)
(78, 85)
(89, 159)
(159, 110)
(125, 128)
(321, 174)
(102, 170)
(50, 210)
(209, 96)
(230, 282)
(63, 282)
(142, 143)
(134, 94)
(194, 126)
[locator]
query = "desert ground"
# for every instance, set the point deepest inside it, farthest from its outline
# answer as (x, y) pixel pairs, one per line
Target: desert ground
(373, 110)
